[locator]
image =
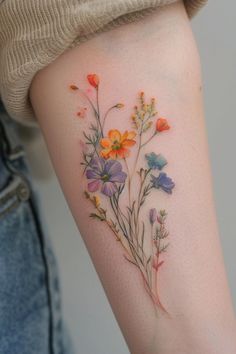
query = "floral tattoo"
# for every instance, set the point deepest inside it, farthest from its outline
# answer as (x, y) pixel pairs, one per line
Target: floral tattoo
(111, 179)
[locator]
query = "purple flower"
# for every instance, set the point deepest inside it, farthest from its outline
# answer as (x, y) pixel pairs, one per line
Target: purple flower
(163, 182)
(152, 215)
(105, 174)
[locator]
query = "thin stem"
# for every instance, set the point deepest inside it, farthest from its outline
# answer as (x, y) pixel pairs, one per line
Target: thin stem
(106, 114)
(121, 212)
(146, 142)
(121, 224)
(98, 113)
(109, 223)
(118, 238)
(157, 260)
(139, 195)
(152, 239)
(137, 156)
(90, 102)
(129, 181)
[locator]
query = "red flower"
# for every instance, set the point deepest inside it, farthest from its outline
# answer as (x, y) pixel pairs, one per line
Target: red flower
(93, 79)
(162, 125)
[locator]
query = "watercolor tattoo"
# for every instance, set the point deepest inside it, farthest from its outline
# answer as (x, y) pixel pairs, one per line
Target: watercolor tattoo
(117, 188)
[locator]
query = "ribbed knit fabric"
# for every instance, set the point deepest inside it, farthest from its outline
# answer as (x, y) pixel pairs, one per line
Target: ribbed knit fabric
(33, 33)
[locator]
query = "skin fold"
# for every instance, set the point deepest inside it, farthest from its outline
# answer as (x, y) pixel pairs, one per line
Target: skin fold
(157, 56)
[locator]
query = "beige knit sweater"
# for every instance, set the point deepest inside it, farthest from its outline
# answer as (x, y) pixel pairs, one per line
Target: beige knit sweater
(33, 33)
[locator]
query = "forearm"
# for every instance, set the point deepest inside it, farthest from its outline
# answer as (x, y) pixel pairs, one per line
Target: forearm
(157, 56)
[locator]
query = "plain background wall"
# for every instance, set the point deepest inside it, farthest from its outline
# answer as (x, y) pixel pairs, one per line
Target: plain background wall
(88, 314)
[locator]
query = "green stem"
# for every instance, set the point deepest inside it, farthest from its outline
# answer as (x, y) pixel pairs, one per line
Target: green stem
(98, 113)
(119, 218)
(140, 194)
(90, 102)
(106, 114)
(129, 181)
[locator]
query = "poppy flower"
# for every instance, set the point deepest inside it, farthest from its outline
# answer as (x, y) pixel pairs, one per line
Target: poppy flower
(105, 176)
(93, 79)
(162, 125)
(116, 144)
(163, 182)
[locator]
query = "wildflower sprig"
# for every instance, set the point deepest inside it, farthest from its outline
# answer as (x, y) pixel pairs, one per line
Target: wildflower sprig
(143, 113)
(110, 175)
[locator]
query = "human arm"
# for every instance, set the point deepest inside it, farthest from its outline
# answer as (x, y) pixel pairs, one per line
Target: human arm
(158, 56)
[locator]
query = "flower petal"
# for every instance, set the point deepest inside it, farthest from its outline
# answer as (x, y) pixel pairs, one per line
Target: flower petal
(93, 79)
(164, 182)
(131, 135)
(114, 135)
(123, 153)
(94, 185)
(112, 167)
(105, 153)
(128, 142)
(92, 174)
(124, 135)
(105, 143)
(162, 124)
(155, 161)
(109, 188)
(119, 177)
(128, 135)
(113, 154)
(97, 163)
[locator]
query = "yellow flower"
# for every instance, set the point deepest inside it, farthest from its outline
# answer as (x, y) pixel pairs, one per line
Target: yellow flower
(96, 201)
(116, 144)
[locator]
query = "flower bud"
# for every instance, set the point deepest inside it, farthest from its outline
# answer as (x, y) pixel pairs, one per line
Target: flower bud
(93, 79)
(162, 125)
(119, 105)
(152, 215)
(73, 87)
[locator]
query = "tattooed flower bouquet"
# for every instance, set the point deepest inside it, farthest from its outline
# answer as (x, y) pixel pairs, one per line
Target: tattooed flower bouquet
(110, 176)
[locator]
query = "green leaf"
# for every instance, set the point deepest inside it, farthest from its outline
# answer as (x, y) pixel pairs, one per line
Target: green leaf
(96, 216)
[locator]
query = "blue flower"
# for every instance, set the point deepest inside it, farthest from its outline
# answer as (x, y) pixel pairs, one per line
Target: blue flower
(163, 182)
(155, 162)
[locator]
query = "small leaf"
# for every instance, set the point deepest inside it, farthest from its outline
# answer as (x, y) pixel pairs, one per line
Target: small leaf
(96, 216)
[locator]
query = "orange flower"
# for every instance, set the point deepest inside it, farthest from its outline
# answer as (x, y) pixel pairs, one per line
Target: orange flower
(116, 144)
(162, 125)
(93, 79)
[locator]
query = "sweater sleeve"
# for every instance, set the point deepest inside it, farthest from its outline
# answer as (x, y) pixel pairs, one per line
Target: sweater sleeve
(34, 33)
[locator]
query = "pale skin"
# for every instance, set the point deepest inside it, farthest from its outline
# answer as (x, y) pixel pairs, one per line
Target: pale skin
(157, 55)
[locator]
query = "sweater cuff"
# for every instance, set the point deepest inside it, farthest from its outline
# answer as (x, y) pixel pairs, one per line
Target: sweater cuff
(35, 33)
